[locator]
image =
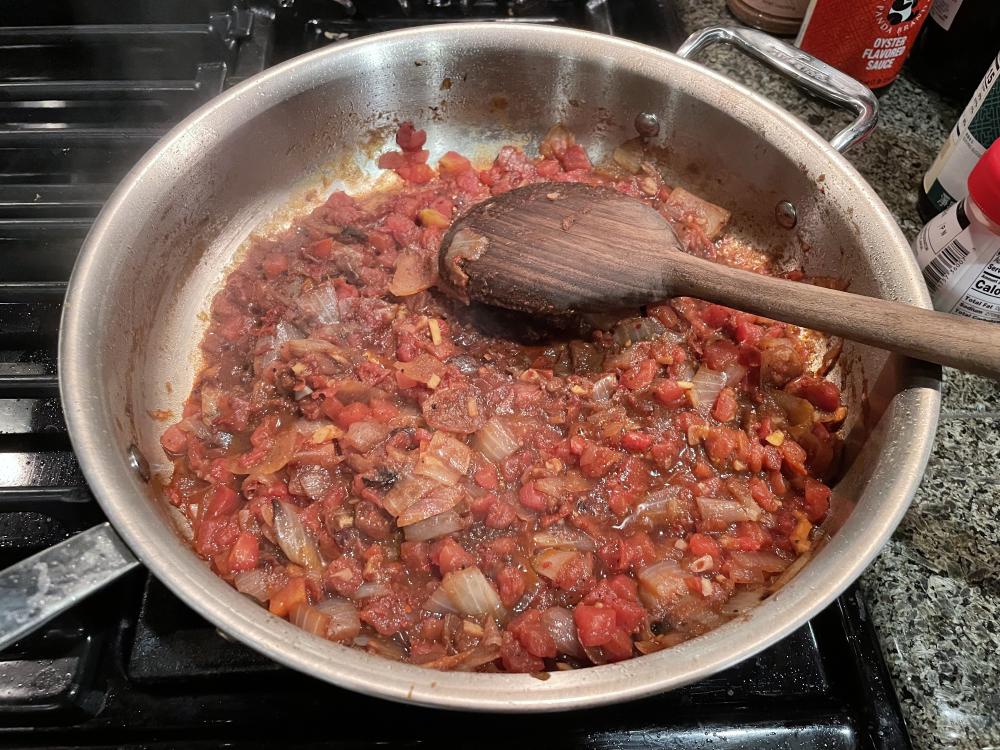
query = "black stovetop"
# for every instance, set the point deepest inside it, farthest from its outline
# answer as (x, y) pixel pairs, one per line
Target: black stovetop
(85, 88)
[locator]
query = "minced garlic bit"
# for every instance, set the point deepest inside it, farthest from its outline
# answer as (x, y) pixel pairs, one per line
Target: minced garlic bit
(325, 434)
(706, 587)
(578, 390)
(471, 406)
(298, 368)
(697, 433)
(472, 628)
(738, 465)
(555, 465)
(433, 381)
(776, 438)
(800, 534)
(435, 329)
(687, 385)
(680, 544)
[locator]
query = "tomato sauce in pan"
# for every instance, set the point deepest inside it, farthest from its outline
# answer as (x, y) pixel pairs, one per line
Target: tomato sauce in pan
(363, 459)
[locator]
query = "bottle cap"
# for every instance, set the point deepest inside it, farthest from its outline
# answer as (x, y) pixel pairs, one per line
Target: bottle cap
(984, 183)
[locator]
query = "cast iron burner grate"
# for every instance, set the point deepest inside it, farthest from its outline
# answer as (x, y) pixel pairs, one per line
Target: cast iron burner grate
(85, 89)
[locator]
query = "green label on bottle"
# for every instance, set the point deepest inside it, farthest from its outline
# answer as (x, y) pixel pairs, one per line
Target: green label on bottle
(985, 125)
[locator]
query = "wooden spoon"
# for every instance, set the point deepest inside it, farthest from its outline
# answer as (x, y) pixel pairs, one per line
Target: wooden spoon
(556, 248)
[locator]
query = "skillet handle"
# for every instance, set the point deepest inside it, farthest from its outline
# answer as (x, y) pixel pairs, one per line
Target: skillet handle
(812, 74)
(35, 590)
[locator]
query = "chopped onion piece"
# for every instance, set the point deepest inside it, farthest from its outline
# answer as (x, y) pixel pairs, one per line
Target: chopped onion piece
(293, 538)
(406, 492)
(604, 388)
(466, 592)
(551, 562)
(570, 483)
(705, 387)
(754, 567)
(565, 537)
(344, 622)
(559, 622)
(314, 480)
(661, 584)
(372, 589)
(437, 501)
(414, 273)
(434, 527)
(423, 368)
(718, 515)
(281, 452)
(309, 619)
(633, 330)
(496, 441)
(735, 372)
(445, 459)
(321, 305)
(255, 583)
(742, 601)
(364, 435)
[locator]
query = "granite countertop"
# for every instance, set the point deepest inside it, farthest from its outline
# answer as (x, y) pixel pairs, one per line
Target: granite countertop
(933, 593)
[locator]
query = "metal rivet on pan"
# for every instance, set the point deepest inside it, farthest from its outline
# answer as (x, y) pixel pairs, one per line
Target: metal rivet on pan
(647, 124)
(785, 215)
(138, 463)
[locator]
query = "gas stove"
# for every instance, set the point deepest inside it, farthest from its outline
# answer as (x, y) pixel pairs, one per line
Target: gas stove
(85, 89)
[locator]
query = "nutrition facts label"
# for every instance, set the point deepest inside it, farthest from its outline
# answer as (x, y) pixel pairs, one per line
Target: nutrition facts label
(961, 265)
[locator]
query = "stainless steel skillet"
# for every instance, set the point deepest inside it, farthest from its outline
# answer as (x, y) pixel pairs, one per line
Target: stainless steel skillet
(163, 243)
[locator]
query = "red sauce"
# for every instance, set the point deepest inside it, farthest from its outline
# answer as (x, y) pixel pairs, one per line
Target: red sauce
(365, 461)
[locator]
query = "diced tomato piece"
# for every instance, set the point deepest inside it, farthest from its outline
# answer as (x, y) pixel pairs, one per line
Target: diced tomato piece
(725, 406)
(597, 460)
(224, 501)
(716, 315)
(486, 477)
(619, 647)
(794, 457)
(418, 174)
(453, 164)
(531, 632)
(595, 624)
(639, 375)
(500, 515)
(409, 138)
(819, 392)
(450, 556)
(321, 248)
(416, 556)
(575, 157)
(516, 658)
(291, 594)
(274, 265)
(352, 413)
(719, 445)
(668, 393)
(391, 160)
(343, 576)
(531, 498)
(817, 500)
(636, 442)
(702, 544)
(510, 585)
(174, 440)
(763, 496)
(382, 410)
(245, 553)
(720, 353)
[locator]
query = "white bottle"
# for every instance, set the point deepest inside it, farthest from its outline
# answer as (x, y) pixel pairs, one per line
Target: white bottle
(959, 249)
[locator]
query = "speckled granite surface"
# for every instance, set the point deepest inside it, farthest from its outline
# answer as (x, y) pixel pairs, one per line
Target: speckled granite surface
(934, 592)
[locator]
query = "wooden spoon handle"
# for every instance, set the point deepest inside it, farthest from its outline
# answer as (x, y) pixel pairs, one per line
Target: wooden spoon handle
(946, 339)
